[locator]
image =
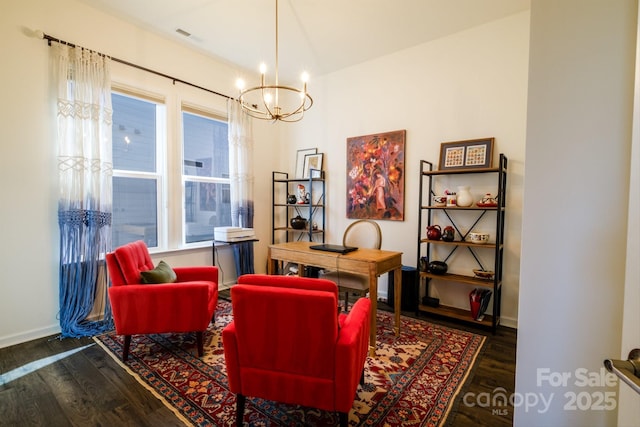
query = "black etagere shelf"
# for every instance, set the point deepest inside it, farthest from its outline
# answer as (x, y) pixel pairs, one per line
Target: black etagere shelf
(282, 186)
(426, 214)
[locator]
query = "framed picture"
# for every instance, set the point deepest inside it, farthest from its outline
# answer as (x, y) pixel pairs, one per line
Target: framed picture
(375, 176)
(467, 155)
(312, 161)
(300, 157)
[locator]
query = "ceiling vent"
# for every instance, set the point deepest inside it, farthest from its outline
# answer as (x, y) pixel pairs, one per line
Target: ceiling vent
(183, 32)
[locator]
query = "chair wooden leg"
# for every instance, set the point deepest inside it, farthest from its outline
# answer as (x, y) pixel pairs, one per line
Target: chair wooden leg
(240, 399)
(125, 347)
(200, 343)
(346, 302)
(344, 419)
(362, 378)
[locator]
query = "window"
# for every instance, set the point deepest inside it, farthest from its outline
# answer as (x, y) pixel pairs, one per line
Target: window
(137, 137)
(207, 201)
(148, 197)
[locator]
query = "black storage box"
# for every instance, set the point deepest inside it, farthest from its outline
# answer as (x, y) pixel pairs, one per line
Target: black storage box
(312, 272)
(409, 295)
(431, 301)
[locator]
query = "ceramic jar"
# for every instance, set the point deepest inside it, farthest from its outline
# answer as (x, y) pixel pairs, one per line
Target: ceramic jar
(438, 267)
(298, 223)
(464, 199)
(434, 232)
(448, 233)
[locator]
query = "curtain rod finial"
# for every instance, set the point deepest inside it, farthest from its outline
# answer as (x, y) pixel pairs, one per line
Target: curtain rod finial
(39, 34)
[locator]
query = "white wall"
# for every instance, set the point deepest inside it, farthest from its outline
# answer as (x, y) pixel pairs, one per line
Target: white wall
(573, 245)
(28, 168)
(468, 85)
(629, 412)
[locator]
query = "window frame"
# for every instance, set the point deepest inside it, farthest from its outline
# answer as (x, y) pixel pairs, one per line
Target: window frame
(175, 99)
(160, 174)
(208, 113)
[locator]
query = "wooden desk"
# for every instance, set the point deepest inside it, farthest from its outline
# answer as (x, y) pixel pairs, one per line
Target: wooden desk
(368, 262)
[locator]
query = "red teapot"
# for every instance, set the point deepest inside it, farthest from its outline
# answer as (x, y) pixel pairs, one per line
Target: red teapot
(434, 232)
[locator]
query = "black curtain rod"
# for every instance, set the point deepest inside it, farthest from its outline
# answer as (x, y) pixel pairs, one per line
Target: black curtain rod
(175, 80)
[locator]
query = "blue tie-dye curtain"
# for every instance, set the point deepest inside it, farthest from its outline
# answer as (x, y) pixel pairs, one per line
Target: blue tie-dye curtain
(83, 107)
(241, 178)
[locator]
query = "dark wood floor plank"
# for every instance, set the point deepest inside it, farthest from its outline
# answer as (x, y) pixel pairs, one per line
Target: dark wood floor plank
(41, 411)
(147, 407)
(75, 403)
(96, 388)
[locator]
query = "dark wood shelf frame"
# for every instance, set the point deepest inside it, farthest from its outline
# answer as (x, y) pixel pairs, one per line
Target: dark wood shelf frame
(427, 178)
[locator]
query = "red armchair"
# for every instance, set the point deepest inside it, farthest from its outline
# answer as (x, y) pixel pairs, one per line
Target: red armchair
(288, 344)
(187, 305)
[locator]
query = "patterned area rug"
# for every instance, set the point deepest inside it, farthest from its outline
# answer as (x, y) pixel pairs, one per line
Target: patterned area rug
(414, 379)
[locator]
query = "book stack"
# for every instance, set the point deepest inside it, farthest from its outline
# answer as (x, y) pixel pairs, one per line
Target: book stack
(233, 234)
(479, 301)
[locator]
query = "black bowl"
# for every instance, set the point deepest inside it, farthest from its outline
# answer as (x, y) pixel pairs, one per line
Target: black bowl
(438, 267)
(298, 223)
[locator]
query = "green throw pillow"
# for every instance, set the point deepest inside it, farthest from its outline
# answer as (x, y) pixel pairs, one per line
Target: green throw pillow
(161, 274)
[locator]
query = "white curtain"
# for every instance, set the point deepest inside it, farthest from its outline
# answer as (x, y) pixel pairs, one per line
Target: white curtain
(241, 178)
(82, 82)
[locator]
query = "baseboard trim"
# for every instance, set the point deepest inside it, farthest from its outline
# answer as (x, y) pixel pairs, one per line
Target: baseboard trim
(31, 335)
(227, 284)
(509, 322)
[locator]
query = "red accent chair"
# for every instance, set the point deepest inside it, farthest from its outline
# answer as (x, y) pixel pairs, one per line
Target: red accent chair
(287, 343)
(187, 305)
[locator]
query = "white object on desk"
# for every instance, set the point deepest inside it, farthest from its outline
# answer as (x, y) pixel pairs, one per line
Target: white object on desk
(233, 234)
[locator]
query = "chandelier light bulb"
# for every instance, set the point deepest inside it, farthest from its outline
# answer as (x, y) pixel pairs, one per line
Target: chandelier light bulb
(240, 84)
(263, 68)
(305, 79)
(268, 98)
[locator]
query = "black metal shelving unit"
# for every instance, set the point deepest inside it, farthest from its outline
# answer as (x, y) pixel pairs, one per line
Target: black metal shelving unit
(426, 213)
(282, 212)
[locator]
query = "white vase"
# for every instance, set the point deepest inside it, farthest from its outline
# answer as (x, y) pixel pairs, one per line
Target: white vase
(464, 199)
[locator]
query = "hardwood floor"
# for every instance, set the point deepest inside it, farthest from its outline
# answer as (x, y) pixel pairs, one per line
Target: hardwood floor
(88, 388)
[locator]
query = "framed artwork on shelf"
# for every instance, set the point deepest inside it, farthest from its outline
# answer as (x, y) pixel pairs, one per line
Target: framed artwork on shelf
(375, 176)
(466, 155)
(312, 162)
(300, 158)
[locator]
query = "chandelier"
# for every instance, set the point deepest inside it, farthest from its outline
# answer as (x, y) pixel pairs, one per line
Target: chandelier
(274, 101)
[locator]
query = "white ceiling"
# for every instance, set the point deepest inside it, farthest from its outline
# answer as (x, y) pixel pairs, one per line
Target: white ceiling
(319, 36)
